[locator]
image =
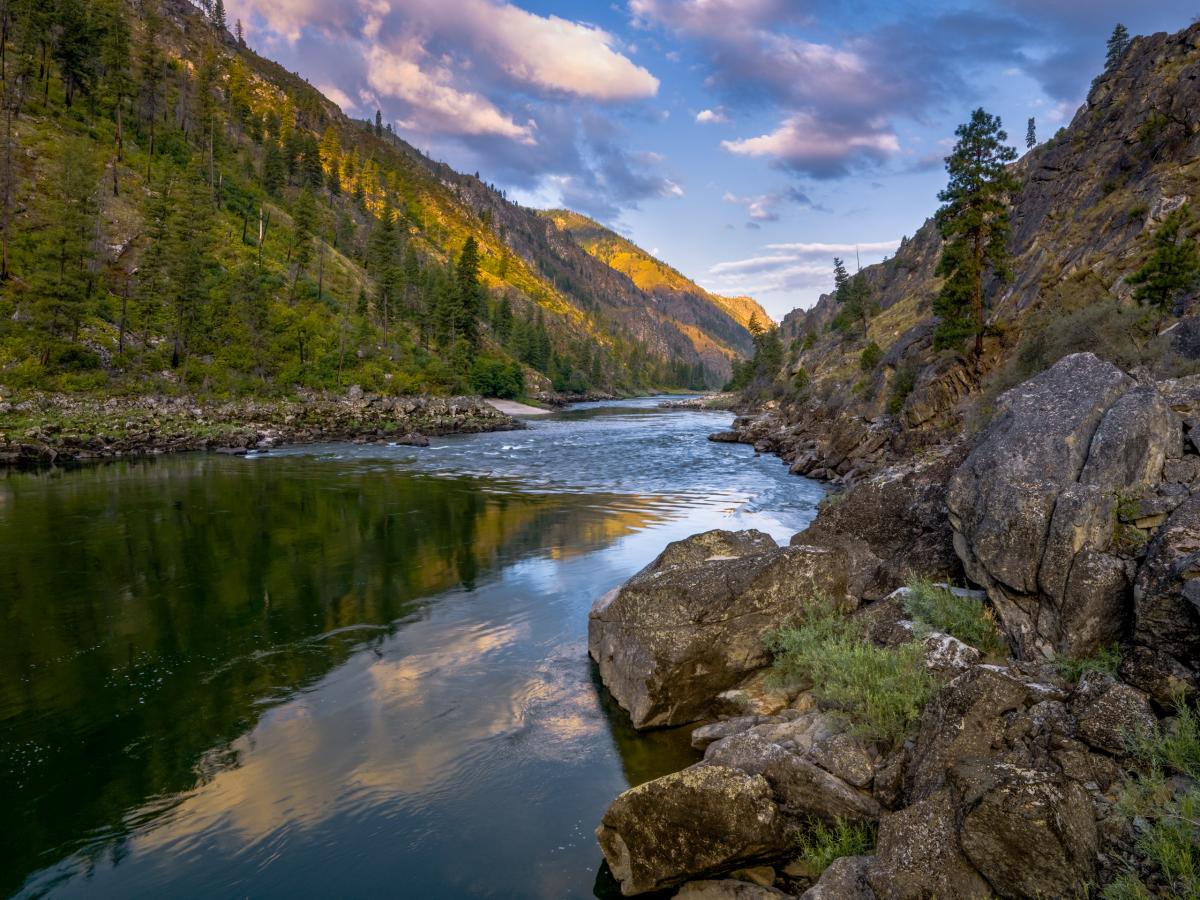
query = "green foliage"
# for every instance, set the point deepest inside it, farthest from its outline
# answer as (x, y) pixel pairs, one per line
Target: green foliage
(974, 222)
(905, 382)
(881, 692)
(854, 297)
(819, 845)
(495, 377)
(1174, 265)
(801, 380)
(870, 357)
(965, 618)
(1170, 839)
(1072, 668)
(755, 377)
(1031, 134)
(1118, 43)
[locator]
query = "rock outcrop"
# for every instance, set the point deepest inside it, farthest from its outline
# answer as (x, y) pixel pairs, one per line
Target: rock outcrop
(1035, 505)
(690, 625)
(703, 821)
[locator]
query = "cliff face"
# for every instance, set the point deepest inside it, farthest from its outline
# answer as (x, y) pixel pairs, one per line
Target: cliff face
(1090, 199)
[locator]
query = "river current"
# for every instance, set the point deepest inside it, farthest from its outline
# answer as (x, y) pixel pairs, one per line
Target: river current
(342, 670)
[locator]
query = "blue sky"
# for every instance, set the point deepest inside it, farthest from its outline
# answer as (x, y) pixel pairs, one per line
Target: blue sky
(746, 142)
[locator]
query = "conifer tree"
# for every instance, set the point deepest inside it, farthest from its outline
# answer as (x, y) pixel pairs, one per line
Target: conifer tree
(1031, 134)
(304, 220)
(378, 123)
(75, 48)
(218, 14)
(240, 33)
(64, 281)
(469, 293)
(974, 223)
(1174, 265)
(1118, 43)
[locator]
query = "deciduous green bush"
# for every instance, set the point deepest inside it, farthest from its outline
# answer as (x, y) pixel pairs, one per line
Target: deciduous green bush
(880, 692)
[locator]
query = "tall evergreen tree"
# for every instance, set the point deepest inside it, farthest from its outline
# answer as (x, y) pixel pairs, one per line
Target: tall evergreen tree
(218, 14)
(1174, 265)
(378, 123)
(75, 48)
(64, 281)
(974, 223)
(469, 293)
(1118, 43)
(304, 221)
(1031, 134)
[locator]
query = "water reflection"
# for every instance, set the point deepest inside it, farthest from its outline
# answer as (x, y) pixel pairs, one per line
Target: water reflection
(323, 673)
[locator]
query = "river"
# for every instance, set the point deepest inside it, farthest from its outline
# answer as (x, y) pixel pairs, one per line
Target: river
(342, 670)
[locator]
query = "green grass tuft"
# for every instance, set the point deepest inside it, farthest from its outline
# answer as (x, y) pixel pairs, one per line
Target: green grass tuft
(962, 617)
(1072, 668)
(821, 844)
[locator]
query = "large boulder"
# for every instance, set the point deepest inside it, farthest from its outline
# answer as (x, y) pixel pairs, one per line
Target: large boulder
(845, 879)
(1110, 714)
(1034, 505)
(1167, 608)
(706, 820)
(691, 624)
(918, 855)
(1029, 831)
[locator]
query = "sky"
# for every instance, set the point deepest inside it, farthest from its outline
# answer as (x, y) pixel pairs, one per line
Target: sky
(745, 142)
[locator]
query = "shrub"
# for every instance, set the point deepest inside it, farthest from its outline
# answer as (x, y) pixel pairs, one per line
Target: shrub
(880, 692)
(801, 380)
(870, 357)
(820, 844)
(1072, 668)
(906, 380)
(965, 618)
(1170, 838)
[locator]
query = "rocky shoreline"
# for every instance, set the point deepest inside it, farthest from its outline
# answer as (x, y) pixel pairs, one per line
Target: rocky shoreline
(1076, 514)
(55, 428)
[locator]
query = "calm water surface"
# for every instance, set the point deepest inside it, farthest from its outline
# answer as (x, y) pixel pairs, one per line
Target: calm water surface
(342, 670)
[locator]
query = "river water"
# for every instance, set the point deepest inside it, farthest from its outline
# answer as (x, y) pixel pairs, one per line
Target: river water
(342, 670)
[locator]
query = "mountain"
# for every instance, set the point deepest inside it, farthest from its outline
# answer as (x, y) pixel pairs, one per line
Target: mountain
(1089, 203)
(716, 325)
(179, 213)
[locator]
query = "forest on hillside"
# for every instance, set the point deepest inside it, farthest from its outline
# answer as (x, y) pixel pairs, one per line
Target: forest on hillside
(177, 213)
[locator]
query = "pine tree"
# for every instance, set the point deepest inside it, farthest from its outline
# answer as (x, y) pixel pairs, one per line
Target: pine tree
(1174, 265)
(1118, 43)
(274, 173)
(469, 293)
(240, 33)
(378, 123)
(75, 48)
(218, 14)
(304, 221)
(1031, 134)
(64, 283)
(974, 224)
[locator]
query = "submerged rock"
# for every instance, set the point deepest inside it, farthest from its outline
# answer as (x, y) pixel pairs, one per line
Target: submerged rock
(691, 624)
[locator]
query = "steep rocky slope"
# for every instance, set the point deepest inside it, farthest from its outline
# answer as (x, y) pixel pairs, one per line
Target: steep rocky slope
(716, 325)
(1089, 202)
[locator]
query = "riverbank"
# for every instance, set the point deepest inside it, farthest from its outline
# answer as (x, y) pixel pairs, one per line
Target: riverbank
(46, 428)
(869, 734)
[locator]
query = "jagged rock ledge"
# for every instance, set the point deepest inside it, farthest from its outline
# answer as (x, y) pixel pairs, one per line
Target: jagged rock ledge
(1077, 513)
(49, 428)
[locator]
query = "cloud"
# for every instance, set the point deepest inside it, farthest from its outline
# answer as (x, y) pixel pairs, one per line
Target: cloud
(765, 207)
(820, 148)
(790, 267)
(435, 105)
(712, 116)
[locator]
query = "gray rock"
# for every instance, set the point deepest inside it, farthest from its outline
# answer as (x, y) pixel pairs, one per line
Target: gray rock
(1029, 832)
(1166, 617)
(1033, 506)
(715, 731)
(694, 824)
(728, 889)
(918, 856)
(824, 741)
(691, 624)
(964, 721)
(800, 787)
(1110, 713)
(845, 879)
